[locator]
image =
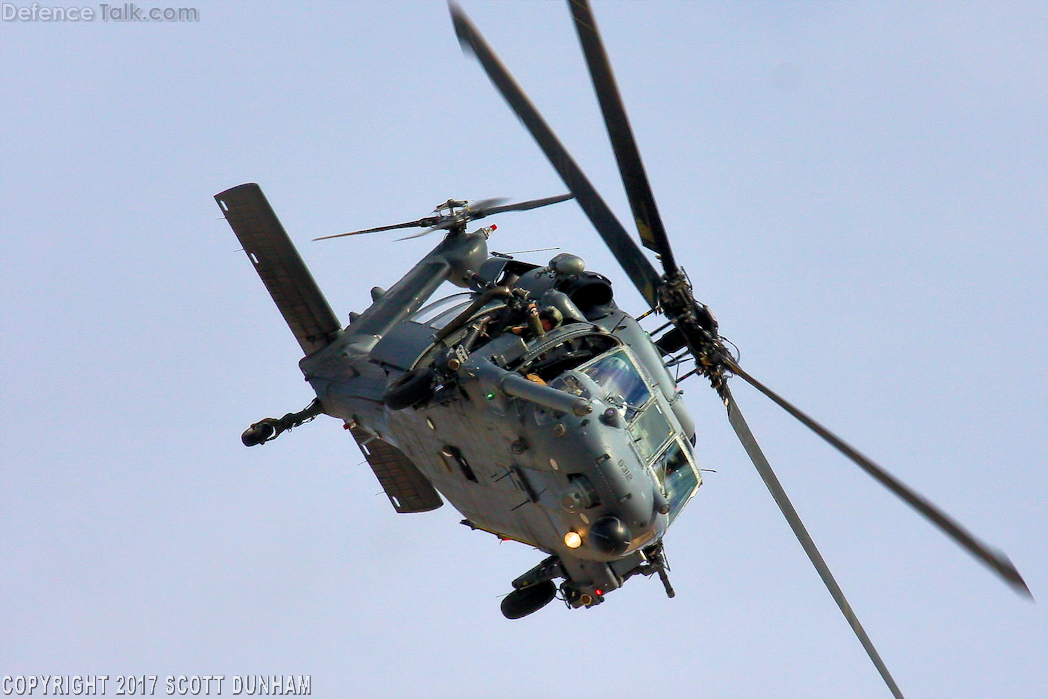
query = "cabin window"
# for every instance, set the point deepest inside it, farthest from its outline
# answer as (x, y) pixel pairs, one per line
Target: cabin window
(438, 307)
(440, 313)
(449, 315)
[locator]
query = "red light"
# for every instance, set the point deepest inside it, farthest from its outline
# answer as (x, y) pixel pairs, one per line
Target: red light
(598, 592)
(493, 227)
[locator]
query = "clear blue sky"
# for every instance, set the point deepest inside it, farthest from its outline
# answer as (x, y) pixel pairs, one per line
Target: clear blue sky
(859, 191)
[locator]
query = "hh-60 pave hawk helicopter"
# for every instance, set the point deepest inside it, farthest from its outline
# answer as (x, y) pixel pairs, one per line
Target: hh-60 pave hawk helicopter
(541, 410)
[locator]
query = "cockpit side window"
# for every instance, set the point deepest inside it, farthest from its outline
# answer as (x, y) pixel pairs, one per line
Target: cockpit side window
(676, 474)
(650, 430)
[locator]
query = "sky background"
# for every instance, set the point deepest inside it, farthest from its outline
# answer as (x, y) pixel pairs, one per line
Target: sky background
(858, 190)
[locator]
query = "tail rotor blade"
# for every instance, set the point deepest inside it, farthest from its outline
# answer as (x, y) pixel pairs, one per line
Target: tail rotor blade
(470, 212)
(756, 455)
(419, 234)
(528, 205)
(996, 560)
(626, 252)
(488, 207)
(475, 209)
(421, 223)
(634, 178)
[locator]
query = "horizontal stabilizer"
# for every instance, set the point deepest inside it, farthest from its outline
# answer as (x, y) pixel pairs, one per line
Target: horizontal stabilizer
(407, 488)
(279, 265)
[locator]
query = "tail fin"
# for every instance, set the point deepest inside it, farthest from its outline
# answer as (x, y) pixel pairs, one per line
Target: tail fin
(279, 265)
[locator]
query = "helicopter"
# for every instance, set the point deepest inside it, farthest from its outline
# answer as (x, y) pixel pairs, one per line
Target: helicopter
(543, 412)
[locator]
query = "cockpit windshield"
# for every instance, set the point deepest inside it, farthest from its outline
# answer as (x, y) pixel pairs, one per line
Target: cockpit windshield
(677, 476)
(619, 377)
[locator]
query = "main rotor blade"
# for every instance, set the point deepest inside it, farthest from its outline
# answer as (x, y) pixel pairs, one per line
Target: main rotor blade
(421, 223)
(626, 252)
(996, 560)
(528, 205)
(738, 423)
(634, 178)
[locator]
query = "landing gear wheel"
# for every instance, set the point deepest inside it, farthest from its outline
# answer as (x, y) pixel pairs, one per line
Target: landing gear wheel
(528, 600)
(409, 389)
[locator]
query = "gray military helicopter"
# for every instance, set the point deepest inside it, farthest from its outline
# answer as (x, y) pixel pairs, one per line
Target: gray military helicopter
(543, 412)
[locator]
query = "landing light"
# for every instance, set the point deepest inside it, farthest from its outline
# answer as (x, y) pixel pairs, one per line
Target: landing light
(572, 540)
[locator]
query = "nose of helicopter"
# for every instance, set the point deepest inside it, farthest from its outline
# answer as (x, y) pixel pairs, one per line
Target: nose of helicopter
(612, 500)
